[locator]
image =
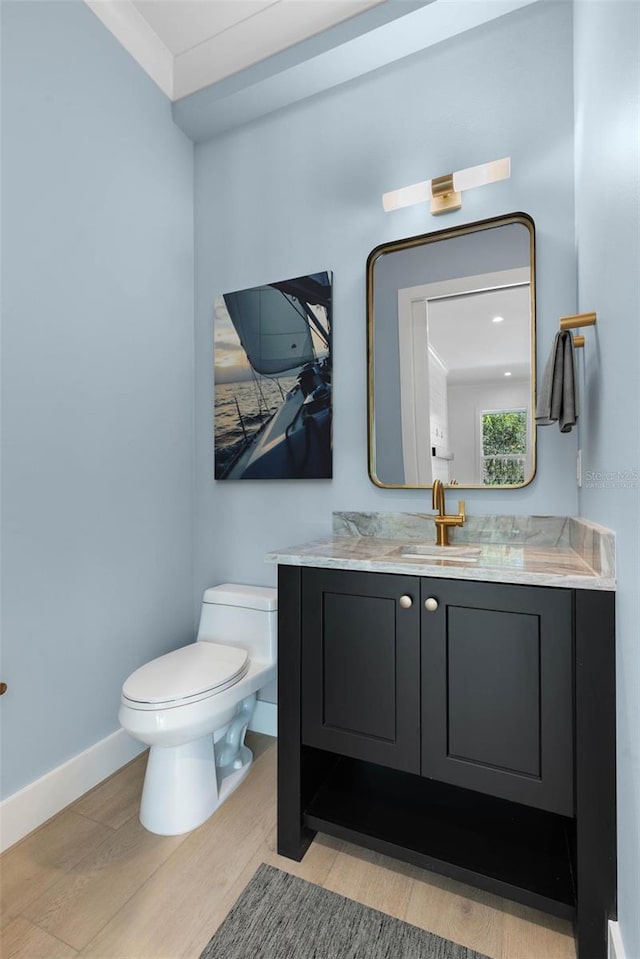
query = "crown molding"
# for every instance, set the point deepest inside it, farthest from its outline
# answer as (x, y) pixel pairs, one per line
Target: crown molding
(215, 59)
(211, 61)
(134, 33)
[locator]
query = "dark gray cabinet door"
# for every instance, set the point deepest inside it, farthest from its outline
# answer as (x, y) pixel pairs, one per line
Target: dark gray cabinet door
(361, 666)
(497, 691)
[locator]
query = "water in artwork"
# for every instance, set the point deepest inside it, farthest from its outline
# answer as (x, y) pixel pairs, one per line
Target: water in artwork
(257, 401)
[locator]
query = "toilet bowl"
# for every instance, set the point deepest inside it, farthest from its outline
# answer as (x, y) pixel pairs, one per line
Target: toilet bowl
(192, 707)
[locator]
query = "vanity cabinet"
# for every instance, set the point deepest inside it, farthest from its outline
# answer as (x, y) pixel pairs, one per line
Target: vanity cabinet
(474, 688)
(473, 735)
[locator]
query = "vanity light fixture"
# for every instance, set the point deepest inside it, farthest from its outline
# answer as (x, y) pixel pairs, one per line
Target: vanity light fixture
(445, 192)
(507, 374)
(498, 319)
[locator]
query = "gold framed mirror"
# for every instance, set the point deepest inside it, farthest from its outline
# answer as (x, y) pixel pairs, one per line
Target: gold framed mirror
(451, 348)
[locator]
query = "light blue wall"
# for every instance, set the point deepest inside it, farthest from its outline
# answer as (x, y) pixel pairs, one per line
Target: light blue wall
(300, 191)
(607, 100)
(97, 381)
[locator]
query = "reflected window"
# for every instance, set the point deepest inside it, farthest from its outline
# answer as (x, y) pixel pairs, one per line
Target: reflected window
(504, 446)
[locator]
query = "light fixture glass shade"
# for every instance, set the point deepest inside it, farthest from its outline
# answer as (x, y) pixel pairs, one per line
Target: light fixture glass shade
(480, 175)
(462, 180)
(407, 196)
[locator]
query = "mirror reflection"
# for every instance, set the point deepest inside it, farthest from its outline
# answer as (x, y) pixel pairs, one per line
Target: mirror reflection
(451, 339)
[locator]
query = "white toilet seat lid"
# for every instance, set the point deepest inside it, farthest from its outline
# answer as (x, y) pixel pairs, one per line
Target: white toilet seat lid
(192, 671)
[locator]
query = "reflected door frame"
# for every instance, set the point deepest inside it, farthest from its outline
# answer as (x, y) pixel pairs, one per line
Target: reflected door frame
(414, 349)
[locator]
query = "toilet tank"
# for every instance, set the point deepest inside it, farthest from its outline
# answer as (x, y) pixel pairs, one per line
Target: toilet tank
(244, 616)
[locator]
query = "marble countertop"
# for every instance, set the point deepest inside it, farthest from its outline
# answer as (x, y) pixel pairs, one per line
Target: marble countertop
(540, 551)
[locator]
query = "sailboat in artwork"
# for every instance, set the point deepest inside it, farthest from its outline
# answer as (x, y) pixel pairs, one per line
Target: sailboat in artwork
(284, 327)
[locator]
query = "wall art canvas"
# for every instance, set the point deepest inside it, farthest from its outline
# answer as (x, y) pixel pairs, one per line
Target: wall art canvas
(272, 369)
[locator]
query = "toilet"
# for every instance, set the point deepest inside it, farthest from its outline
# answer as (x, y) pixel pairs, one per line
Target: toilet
(192, 707)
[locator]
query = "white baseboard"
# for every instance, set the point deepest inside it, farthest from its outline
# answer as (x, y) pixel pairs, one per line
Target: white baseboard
(27, 809)
(265, 719)
(616, 946)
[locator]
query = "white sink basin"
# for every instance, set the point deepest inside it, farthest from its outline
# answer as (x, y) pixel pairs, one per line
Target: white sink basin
(425, 551)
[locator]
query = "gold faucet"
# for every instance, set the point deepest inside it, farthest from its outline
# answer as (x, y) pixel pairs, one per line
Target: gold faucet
(442, 521)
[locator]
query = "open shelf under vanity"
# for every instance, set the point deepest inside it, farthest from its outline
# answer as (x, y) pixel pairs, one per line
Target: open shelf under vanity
(502, 847)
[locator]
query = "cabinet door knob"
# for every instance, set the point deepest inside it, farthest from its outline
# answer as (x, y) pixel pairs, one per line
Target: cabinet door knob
(406, 602)
(431, 604)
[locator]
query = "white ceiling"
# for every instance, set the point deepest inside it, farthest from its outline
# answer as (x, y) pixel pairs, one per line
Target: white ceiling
(471, 345)
(183, 24)
(186, 45)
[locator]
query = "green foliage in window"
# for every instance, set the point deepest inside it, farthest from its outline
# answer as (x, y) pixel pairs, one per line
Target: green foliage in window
(499, 472)
(504, 434)
(504, 445)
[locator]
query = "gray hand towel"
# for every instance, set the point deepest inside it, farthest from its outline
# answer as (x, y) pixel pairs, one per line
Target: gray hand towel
(558, 394)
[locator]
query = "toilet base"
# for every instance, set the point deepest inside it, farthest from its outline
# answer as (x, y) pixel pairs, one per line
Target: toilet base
(184, 785)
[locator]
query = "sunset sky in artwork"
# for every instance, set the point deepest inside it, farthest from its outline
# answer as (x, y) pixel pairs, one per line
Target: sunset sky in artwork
(230, 360)
(231, 364)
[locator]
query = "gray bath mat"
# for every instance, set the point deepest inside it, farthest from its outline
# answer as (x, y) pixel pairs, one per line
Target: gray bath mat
(281, 917)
